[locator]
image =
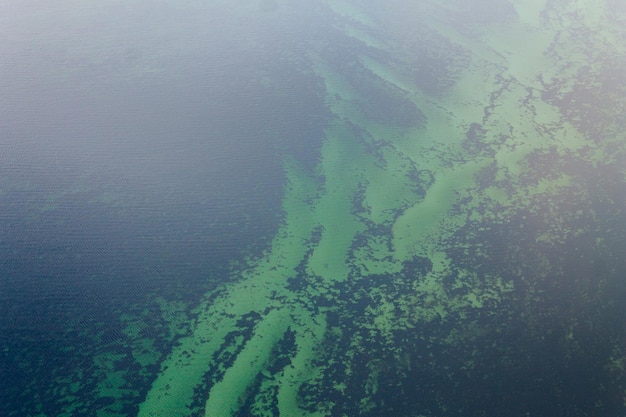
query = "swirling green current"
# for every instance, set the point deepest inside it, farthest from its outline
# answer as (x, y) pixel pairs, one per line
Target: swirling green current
(470, 172)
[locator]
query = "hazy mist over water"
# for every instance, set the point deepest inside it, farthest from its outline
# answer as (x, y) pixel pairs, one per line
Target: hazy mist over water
(156, 110)
(140, 153)
(312, 208)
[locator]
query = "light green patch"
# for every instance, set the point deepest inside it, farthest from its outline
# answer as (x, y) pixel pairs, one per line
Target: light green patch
(333, 211)
(417, 230)
(227, 396)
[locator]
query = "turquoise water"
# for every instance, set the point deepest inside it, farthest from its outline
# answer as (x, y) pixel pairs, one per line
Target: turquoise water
(313, 209)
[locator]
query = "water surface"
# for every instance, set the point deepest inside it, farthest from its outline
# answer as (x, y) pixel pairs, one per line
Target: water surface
(312, 209)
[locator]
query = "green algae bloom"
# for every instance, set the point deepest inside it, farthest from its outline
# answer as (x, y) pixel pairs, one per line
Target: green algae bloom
(430, 249)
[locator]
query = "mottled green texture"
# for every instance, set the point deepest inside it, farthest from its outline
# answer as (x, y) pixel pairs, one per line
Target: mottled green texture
(456, 249)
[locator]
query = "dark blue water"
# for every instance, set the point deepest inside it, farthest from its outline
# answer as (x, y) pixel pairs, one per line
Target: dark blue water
(140, 155)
